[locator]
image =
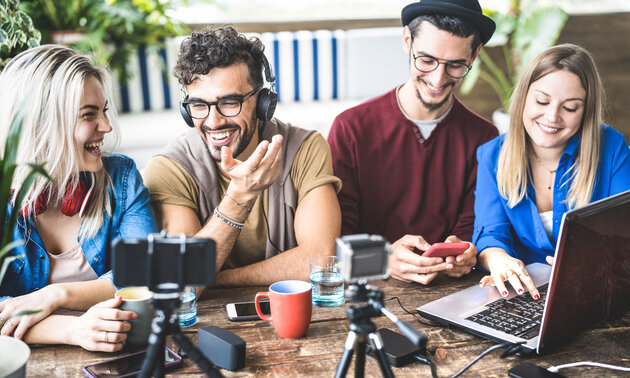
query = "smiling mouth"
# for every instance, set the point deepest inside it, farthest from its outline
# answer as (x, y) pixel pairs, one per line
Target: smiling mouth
(94, 147)
(221, 136)
(548, 129)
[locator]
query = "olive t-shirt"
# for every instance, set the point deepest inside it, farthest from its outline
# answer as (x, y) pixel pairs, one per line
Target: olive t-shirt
(169, 183)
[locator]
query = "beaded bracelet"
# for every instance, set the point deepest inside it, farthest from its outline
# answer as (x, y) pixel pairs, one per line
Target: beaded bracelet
(236, 203)
(228, 221)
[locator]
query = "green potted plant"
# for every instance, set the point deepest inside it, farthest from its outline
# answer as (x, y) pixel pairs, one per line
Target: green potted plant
(113, 29)
(17, 32)
(522, 32)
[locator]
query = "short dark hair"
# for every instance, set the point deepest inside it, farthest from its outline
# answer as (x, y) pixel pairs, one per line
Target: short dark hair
(221, 47)
(453, 25)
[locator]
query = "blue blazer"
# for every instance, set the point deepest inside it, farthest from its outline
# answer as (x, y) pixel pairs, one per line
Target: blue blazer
(519, 230)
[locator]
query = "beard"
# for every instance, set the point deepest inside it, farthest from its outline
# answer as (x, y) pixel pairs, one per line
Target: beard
(434, 105)
(243, 138)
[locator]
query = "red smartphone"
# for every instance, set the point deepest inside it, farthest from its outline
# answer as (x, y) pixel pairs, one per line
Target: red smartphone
(129, 365)
(446, 249)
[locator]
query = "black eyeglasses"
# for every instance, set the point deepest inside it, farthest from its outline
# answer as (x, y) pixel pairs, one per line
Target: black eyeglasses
(428, 63)
(227, 107)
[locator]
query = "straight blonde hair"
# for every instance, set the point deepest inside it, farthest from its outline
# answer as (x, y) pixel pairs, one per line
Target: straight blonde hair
(47, 82)
(513, 172)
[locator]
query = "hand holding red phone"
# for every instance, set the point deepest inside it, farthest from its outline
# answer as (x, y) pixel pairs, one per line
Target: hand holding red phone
(446, 249)
(463, 263)
(406, 265)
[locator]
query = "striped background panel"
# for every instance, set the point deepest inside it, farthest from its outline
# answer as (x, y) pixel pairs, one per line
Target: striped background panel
(316, 65)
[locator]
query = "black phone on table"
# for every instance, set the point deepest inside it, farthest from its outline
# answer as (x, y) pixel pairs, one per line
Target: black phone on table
(129, 365)
(241, 311)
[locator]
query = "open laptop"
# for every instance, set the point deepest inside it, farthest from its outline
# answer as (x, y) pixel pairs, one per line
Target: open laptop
(588, 282)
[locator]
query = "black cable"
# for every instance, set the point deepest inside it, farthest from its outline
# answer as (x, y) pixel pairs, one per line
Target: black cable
(471, 363)
(267, 223)
(425, 360)
(412, 314)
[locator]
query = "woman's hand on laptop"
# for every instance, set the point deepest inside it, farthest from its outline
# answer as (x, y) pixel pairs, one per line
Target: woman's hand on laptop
(504, 267)
(407, 265)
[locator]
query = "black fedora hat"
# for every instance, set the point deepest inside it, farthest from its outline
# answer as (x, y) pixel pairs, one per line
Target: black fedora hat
(467, 10)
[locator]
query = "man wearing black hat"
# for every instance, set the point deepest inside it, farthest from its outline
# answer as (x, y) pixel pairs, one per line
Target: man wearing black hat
(407, 158)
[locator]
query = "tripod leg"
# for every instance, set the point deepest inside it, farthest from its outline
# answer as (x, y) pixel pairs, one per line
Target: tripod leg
(359, 363)
(194, 353)
(158, 369)
(348, 350)
(155, 348)
(377, 343)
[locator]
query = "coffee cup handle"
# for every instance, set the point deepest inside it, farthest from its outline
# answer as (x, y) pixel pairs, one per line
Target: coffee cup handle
(264, 294)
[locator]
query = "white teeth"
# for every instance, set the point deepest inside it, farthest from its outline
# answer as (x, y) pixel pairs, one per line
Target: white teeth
(548, 129)
(433, 88)
(94, 147)
(220, 136)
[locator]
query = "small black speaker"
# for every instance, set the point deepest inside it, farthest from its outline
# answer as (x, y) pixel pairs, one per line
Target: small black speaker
(223, 348)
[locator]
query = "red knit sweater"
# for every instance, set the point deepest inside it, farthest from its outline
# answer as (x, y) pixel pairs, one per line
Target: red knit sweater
(395, 182)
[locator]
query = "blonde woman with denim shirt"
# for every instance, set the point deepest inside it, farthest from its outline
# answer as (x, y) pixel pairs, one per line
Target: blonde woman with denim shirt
(67, 226)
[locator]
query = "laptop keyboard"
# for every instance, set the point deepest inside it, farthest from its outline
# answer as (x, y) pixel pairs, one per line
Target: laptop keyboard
(519, 316)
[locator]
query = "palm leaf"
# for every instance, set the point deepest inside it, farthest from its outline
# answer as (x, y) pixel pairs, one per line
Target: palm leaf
(538, 30)
(8, 166)
(36, 170)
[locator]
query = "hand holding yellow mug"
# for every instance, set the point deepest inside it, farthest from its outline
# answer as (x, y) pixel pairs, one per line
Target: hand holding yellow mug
(137, 299)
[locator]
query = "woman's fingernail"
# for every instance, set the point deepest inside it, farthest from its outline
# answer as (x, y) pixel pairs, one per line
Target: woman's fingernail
(504, 293)
(520, 291)
(481, 283)
(536, 296)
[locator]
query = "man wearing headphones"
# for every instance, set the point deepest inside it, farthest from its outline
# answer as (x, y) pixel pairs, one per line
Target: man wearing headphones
(262, 189)
(407, 157)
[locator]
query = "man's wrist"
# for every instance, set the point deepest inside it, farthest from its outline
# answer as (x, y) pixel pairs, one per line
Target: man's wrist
(242, 198)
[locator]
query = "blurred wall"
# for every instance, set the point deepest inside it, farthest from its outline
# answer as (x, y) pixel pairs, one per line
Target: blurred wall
(606, 37)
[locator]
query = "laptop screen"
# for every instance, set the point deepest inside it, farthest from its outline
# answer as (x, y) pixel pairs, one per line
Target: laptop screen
(591, 274)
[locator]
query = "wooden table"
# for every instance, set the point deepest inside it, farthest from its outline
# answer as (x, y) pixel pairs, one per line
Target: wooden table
(318, 353)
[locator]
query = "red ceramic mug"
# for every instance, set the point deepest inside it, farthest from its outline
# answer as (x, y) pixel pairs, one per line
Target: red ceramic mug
(291, 307)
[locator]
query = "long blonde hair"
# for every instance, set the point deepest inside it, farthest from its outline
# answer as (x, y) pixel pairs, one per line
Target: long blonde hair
(513, 172)
(48, 82)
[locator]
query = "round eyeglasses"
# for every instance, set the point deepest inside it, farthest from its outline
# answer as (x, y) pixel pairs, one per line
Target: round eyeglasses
(227, 107)
(427, 63)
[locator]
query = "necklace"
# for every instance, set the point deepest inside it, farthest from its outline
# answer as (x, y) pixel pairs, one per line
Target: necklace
(551, 173)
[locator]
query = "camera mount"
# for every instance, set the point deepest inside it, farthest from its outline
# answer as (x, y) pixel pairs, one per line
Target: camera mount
(362, 330)
(165, 322)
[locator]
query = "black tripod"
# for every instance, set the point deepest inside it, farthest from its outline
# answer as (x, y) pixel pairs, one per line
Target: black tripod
(362, 329)
(164, 323)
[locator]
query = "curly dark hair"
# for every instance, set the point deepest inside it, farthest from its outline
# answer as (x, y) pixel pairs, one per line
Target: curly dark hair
(221, 47)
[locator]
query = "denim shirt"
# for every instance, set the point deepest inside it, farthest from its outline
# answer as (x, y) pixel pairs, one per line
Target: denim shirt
(131, 218)
(519, 230)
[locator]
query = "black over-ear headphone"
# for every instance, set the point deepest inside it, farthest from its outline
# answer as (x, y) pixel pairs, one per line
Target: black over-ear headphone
(265, 106)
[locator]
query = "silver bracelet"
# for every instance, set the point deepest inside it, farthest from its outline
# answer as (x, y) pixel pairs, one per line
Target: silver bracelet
(236, 203)
(228, 221)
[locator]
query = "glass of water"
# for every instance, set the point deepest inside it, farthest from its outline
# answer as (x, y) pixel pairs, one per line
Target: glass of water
(187, 310)
(326, 280)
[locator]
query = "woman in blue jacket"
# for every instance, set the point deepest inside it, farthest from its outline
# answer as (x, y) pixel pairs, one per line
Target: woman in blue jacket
(67, 225)
(556, 156)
